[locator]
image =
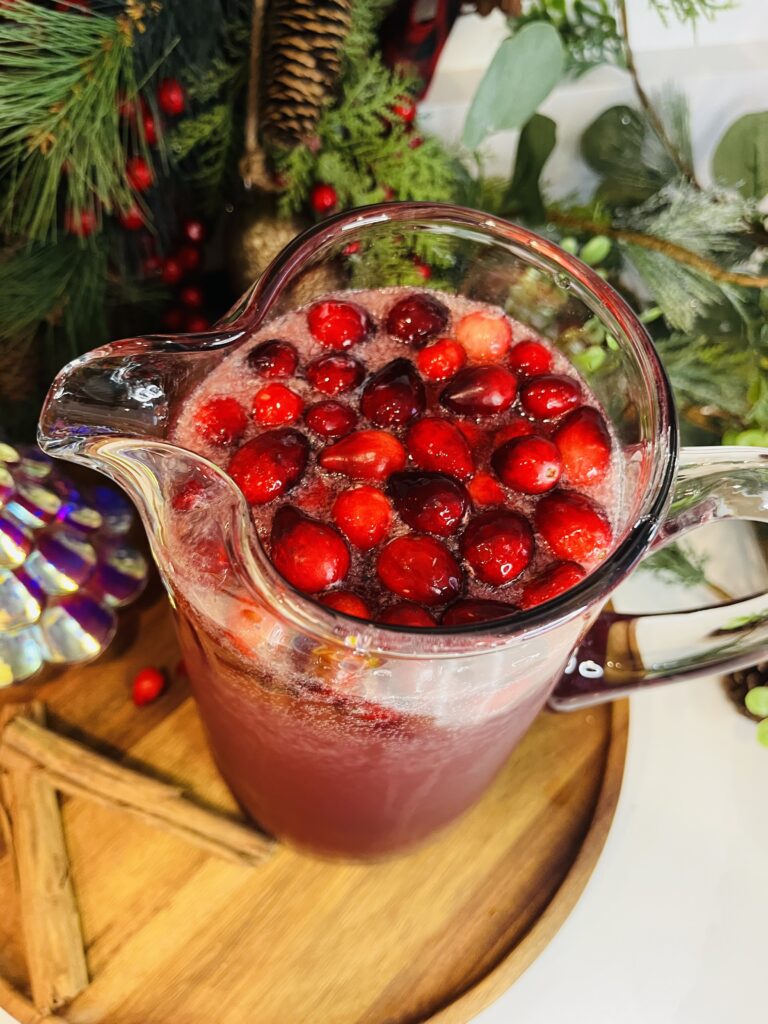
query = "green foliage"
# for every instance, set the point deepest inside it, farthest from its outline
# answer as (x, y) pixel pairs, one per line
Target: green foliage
(523, 72)
(361, 41)
(587, 28)
(677, 563)
(741, 157)
(714, 373)
(689, 10)
(523, 196)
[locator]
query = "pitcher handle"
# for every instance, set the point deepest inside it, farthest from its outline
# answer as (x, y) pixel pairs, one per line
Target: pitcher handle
(622, 653)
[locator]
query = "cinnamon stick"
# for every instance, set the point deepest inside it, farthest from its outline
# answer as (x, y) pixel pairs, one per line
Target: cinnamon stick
(13, 1002)
(74, 769)
(52, 937)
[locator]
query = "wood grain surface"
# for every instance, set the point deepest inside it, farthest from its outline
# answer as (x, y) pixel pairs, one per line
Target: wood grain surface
(175, 934)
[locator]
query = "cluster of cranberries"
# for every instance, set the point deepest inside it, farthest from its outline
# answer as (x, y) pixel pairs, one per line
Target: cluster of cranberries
(425, 444)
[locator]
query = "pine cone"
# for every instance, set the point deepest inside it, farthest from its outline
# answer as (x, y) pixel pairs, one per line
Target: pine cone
(739, 683)
(301, 65)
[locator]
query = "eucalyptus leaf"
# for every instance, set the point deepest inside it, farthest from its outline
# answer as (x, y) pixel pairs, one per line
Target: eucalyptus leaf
(537, 140)
(523, 72)
(741, 157)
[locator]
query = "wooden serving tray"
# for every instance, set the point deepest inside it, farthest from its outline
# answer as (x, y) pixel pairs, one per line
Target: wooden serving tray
(174, 934)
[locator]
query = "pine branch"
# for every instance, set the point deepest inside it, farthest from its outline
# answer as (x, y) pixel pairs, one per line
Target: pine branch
(689, 10)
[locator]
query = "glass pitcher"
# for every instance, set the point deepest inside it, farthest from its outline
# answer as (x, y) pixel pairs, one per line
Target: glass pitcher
(354, 739)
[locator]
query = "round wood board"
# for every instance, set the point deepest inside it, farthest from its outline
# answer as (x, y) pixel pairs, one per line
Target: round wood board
(174, 934)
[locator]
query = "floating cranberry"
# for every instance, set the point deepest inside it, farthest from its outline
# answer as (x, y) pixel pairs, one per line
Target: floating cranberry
(585, 446)
(333, 374)
(364, 455)
(531, 465)
(439, 445)
(337, 324)
(188, 496)
(553, 581)
(330, 419)
(429, 502)
(347, 602)
(484, 336)
(420, 569)
(364, 516)
(575, 528)
(311, 555)
(530, 358)
(221, 420)
(470, 610)
(275, 405)
(480, 391)
(485, 489)
(518, 427)
(270, 464)
(550, 396)
(394, 395)
(171, 97)
(498, 544)
(417, 318)
(323, 198)
(139, 173)
(473, 432)
(273, 358)
(407, 614)
(442, 360)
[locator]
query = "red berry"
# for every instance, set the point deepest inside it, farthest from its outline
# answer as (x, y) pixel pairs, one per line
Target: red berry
(315, 497)
(470, 610)
(172, 271)
(364, 516)
(419, 569)
(550, 396)
(405, 109)
(171, 97)
(485, 490)
(407, 614)
(442, 360)
(323, 198)
(273, 358)
(270, 464)
(147, 686)
(498, 544)
(553, 581)
(189, 257)
(338, 324)
(70, 6)
(150, 129)
(530, 358)
(347, 602)
(484, 336)
(518, 427)
(415, 142)
(196, 323)
(389, 192)
(575, 528)
(429, 502)
(311, 555)
(191, 296)
(333, 374)
(364, 455)
(351, 248)
(139, 173)
(188, 496)
(173, 319)
(480, 391)
(531, 465)
(194, 231)
(422, 269)
(131, 219)
(585, 446)
(330, 418)
(152, 266)
(417, 318)
(394, 395)
(221, 420)
(472, 432)
(439, 445)
(80, 223)
(275, 405)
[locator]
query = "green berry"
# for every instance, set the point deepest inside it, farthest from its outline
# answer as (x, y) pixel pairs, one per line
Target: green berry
(596, 250)
(757, 701)
(762, 732)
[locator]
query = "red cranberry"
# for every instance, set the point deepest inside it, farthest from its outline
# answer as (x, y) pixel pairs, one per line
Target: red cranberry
(550, 396)
(172, 271)
(270, 464)
(553, 581)
(171, 97)
(420, 569)
(333, 374)
(484, 336)
(273, 358)
(364, 455)
(337, 324)
(473, 432)
(221, 420)
(405, 109)
(498, 544)
(585, 446)
(193, 230)
(429, 502)
(530, 465)
(518, 427)
(480, 391)
(311, 555)
(150, 129)
(347, 602)
(188, 496)
(196, 323)
(80, 223)
(330, 418)
(275, 405)
(439, 445)
(530, 358)
(323, 198)
(139, 173)
(147, 686)
(442, 360)
(485, 489)
(191, 296)
(131, 219)
(394, 395)
(575, 528)
(364, 516)
(470, 610)
(417, 318)
(406, 614)
(190, 257)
